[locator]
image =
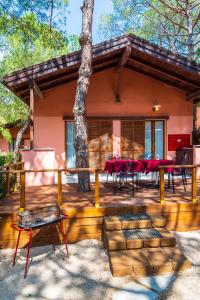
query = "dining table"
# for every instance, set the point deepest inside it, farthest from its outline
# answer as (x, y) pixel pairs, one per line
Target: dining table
(124, 165)
(152, 165)
(142, 165)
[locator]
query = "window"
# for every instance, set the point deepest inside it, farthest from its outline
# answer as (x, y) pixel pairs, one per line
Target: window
(70, 150)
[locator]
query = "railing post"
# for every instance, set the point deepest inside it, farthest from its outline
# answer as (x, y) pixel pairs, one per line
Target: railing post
(15, 179)
(96, 189)
(162, 186)
(194, 185)
(60, 204)
(7, 181)
(22, 191)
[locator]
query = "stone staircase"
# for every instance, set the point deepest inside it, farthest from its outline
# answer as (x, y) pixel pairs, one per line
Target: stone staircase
(138, 244)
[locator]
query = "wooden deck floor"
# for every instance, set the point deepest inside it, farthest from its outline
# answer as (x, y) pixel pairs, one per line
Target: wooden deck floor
(47, 195)
(86, 221)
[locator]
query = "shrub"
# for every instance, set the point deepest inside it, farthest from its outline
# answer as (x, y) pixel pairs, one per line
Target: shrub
(5, 158)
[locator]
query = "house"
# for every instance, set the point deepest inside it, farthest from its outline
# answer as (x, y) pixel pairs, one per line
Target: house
(141, 101)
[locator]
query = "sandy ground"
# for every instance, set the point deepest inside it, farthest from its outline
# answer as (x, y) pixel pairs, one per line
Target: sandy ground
(86, 275)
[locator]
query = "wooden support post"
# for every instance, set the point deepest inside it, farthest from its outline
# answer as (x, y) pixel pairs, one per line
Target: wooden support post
(162, 186)
(60, 204)
(31, 118)
(96, 189)
(194, 185)
(22, 191)
(15, 179)
(7, 182)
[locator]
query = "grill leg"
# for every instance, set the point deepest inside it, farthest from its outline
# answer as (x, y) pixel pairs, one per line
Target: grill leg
(28, 253)
(64, 237)
(14, 258)
(52, 238)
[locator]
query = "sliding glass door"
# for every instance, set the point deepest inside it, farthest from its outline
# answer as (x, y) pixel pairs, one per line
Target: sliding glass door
(154, 139)
(159, 140)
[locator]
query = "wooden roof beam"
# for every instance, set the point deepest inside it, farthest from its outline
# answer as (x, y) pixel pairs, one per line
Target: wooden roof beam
(166, 73)
(122, 62)
(36, 89)
(124, 58)
(194, 95)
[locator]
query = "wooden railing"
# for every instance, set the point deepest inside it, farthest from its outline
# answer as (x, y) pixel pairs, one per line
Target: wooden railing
(194, 181)
(8, 168)
(23, 173)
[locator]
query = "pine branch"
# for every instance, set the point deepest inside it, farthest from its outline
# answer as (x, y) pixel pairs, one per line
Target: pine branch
(195, 21)
(166, 16)
(173, 8)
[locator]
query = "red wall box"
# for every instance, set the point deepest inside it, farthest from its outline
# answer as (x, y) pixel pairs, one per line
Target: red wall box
(177, 141)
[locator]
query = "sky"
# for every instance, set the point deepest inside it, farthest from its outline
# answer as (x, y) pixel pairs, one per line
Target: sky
(75, 16)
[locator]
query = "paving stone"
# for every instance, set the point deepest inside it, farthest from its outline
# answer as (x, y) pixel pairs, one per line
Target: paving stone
(136, 243)
(129, 224)
(144, 224)
(168, 239)
(120, 263)
(133, 291)
(158, 222)
(131, 221)
(153, 242)
(135, 217)
(159, 260)
(115, 240)
(179, 261)
(140, 263)
(112, 223)
(139, 238)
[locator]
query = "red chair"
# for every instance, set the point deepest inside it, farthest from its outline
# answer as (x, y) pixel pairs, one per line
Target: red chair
(29, 220)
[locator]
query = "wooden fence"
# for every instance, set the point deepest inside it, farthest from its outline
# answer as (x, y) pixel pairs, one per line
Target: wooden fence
(22, 173)
(194, 181)
(18, 169)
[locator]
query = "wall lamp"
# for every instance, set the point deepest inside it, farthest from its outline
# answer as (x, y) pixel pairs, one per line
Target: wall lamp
(156, 107)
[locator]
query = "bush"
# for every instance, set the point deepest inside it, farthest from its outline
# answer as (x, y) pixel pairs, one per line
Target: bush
(5, 158)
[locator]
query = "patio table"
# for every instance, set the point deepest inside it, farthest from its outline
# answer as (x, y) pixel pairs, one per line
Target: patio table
(116, 166)
(152, 165)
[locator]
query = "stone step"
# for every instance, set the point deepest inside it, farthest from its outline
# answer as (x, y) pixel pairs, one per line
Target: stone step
(149, 261)
(138, 238)
(133, 221)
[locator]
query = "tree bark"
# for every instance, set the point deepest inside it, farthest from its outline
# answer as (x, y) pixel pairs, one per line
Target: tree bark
(79, 110)
(19, 139)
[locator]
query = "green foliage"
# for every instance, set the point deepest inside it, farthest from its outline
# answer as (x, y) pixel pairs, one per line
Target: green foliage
(155, 21)
(5, 158)
(29, 42)
(28, 35)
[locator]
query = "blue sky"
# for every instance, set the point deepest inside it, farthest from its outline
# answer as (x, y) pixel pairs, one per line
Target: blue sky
(74, 18)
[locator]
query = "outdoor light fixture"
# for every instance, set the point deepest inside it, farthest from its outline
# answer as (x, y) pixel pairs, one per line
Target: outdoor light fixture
(156, 107)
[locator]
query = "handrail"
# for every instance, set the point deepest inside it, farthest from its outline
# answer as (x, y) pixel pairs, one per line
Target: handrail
(59, 174)
(6, 169)
(194, 179)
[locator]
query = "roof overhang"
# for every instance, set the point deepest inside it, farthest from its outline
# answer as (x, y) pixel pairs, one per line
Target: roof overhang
(143, 57)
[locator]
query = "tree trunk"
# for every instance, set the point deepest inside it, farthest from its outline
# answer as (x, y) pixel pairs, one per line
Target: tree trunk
(79, 110)
(19, 139)
(190, 42)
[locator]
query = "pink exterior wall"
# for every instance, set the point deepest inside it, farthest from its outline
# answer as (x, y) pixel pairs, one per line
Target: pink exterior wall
(4, 146)
(138, 94)
(37, 160)
(49, 132)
